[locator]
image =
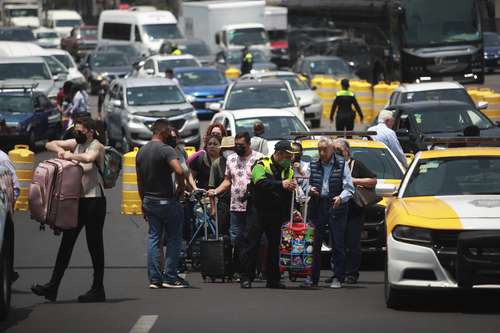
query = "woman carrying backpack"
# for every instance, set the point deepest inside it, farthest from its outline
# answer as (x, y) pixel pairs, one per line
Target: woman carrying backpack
(87, 150)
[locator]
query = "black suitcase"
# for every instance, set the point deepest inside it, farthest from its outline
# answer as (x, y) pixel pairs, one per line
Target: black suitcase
(215, 256)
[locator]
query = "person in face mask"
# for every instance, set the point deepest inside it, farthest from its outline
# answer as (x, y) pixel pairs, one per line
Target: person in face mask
(237, 177)
(272, 185)
(201, 164)
(87, 150)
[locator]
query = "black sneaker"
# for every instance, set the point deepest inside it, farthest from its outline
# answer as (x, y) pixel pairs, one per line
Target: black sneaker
(93, 296)
(351, 279)
(179, 283)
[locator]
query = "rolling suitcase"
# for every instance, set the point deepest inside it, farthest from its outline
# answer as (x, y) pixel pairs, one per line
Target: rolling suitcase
(296, 250)
(215, 255)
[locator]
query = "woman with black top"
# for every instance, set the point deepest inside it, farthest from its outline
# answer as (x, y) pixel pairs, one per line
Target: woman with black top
(361, 176)
(200, 165)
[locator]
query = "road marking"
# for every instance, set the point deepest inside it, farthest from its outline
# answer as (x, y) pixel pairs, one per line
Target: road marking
(144, 324)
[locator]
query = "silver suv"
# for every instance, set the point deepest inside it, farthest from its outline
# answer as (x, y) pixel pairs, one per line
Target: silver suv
(134, 104)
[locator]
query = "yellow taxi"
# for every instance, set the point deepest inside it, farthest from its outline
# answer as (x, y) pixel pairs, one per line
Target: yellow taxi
(443, 225)
(380, 160)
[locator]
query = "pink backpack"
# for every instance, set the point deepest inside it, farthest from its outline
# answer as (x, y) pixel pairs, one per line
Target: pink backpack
(54, 193)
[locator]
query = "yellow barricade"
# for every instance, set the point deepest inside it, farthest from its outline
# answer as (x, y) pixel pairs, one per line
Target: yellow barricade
(131, 201)
(23, 158)
(364, 95)
(232, 73)
(327, 90)
(380, 97)
(493, 110)
(473, 94)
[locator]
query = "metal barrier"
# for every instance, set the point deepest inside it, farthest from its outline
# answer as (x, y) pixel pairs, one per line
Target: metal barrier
(131, 201)
(23, 158)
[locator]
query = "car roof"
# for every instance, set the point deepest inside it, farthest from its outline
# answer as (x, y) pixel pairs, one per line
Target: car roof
(356, 143)
(320, 57)
(418, 106)
(159, 57)
(195, 69)
(260, 113)
(21, 60)
(270, 73)
(459, 152)
(53, 51)
(428, 86)
(250, 83)
(145, 82)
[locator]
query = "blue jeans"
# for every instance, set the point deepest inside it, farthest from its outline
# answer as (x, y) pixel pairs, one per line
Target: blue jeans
(168, 214)
(238, 223)
(336, 220)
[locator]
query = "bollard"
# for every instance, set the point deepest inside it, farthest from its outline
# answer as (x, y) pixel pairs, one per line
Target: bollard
(22, 158)
(364, 95)
(493, 110)
(131, 201)
(232, 73)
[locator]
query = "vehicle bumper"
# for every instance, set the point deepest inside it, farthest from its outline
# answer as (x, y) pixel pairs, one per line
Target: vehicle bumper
(139, 134)
(416, 266)
(313, 112)
(201, 105)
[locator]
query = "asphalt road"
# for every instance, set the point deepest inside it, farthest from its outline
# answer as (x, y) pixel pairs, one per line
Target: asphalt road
(214, 307)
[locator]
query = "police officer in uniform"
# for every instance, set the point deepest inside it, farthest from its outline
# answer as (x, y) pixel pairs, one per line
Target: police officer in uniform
(342, 105)
(175, 50)
(246, 61)
(271, 190)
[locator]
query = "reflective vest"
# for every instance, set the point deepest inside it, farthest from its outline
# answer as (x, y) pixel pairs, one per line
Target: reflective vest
(345, 93)
(248, 57)
(267, 162)
(176, 52)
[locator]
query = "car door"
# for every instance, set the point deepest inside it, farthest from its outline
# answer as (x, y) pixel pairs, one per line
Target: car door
(114, 113)
(53, 116)
(408, 132)
(40, 119)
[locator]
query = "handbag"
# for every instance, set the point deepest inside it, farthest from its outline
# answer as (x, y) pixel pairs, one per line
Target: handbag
(363, 196)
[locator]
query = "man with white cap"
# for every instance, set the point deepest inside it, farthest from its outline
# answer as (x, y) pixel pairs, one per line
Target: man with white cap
(386, 134)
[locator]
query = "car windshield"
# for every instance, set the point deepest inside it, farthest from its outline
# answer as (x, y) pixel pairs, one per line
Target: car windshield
(24, 71)
(17, 35)
(234, 57)
(88, 32)
(432, 22)
(459, 95)
(56, 67)
(15, 104)
(154, 95)
(163, 65)
(197, 49)
(254, 97)
(449, 120)
(201, 78)
(130, 51)
(277, 128)
(24, 12)
(328, 67)
(254, 36)
(161, 31)
(294, 81)
(67, 23)
(109, 60)
(47, 34)
(377, 160)
(65, 60)
(455, 176)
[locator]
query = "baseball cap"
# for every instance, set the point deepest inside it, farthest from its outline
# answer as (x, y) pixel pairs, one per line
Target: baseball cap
(285, 146)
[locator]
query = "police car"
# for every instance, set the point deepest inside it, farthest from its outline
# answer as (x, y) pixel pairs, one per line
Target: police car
(443, 227)
(380, 160)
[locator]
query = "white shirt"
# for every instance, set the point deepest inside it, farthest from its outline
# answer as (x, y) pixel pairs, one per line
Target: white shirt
(80, 102)
(389, 137)
(7, 163)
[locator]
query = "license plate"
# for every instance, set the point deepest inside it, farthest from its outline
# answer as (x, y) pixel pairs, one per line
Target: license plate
(364, 234)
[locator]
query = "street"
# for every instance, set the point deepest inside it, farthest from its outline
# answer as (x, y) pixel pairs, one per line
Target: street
(213, 307)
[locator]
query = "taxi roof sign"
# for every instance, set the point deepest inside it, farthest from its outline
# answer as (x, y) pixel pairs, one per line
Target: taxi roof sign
(333, 133)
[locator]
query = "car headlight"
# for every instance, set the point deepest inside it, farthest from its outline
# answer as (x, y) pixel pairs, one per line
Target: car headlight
(412, 235)
(133, 119)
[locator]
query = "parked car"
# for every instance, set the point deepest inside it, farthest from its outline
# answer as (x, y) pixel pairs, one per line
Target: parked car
(250, 95)
(232, 59)
(491, 51)
(17, 34)
(277, 123)
(301, 89)
(28, 70)
(134, 104)
(97, 66)
(80, 41)
(67, 60)
(6, 239)
(204, 84)
(331, 66)
(29, 115)
(414, 122)
(194, 47)
(157, 64)
(47, 38)
(132, 51)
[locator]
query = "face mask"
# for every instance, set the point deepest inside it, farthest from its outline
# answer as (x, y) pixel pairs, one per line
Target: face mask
(226, 153)
(80, 137)
(285, 164)
(240, 150)
(172, 142)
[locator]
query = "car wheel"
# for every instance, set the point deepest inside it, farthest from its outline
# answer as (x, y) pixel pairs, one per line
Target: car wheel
(393, 297)
(5, 277)
(315, 123)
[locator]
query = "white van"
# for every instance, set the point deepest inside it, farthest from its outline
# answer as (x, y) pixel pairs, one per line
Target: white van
(148, 28)
(63, 21)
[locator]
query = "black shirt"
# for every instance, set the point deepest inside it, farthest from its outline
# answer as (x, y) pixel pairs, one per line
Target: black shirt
(201, 165)
(359, 170)
(344, 105)
(154, 174)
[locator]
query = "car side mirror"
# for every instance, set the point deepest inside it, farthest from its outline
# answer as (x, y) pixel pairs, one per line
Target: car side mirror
(215, 107)
(482, 105)
(118, 103)
(150, 71)
(221, 61)
(304, 104)
(386, 190)
(190, 99)
(60, 77)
